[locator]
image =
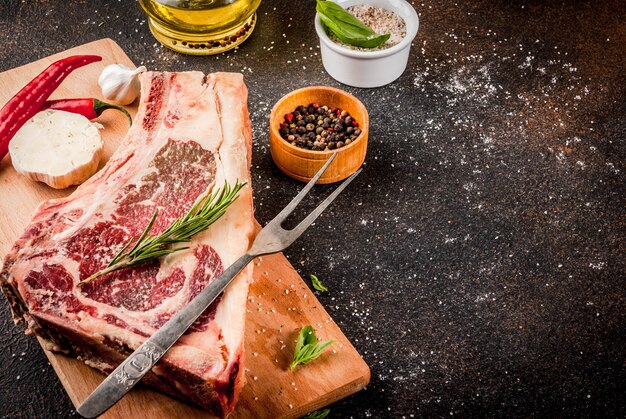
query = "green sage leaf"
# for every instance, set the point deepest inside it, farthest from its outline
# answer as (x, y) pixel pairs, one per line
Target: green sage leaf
(308, 347)
(318, 414)
(317, 284)
(346, 27)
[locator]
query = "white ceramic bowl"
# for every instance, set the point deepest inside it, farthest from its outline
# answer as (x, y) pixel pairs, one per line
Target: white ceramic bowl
(369, 68)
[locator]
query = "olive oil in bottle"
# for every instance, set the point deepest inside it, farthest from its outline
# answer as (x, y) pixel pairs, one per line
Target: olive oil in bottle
(201, 27)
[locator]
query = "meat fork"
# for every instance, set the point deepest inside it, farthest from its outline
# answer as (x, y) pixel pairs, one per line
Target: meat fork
(271, 239)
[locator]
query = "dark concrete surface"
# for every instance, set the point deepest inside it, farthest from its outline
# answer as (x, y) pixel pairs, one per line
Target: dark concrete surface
(477, 263)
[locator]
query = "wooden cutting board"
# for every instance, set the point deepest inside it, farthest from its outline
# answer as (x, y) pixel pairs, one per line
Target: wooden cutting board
(279, 302)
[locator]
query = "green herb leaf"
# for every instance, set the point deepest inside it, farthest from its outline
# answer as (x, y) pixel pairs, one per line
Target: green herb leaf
(317, 284)
(346, 27)
(201, 215)
(318, 414)
(308, 347)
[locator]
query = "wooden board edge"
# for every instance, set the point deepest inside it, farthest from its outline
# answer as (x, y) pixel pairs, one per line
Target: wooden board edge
(63, 378)
(339, 393)
(323, 309)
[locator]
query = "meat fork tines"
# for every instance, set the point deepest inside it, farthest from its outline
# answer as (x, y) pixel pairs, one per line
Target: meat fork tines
(274, 238)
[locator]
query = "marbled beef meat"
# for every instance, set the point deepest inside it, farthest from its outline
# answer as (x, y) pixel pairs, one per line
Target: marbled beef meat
(192, 133)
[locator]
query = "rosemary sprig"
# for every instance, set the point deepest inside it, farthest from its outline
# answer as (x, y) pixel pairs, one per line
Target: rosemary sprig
(318, 414)
(317, 284)
(308, 347)
(201, 215)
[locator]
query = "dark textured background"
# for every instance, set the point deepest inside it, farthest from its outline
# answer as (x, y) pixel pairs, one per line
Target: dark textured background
(477, 262)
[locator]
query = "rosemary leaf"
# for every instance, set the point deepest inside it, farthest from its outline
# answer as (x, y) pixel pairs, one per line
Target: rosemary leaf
(308, 347)
(318, 414)
(317, 284)
(202, 214)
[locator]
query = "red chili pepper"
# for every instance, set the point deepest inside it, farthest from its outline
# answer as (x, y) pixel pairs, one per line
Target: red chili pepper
(88, 107)
(27, 102)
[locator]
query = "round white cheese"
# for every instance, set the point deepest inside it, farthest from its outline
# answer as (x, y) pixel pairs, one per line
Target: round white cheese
(58, 148)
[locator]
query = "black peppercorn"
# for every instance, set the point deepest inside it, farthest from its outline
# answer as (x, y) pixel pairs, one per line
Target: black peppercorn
(318, 127)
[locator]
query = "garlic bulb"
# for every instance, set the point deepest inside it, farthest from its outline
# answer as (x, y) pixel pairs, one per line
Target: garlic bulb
(58, 148)
(120, 84)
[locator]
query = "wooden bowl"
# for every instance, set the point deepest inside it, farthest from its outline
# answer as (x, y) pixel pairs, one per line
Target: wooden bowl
(302, 164)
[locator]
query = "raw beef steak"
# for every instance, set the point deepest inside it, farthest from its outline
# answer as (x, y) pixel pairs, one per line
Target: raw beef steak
(191, 134)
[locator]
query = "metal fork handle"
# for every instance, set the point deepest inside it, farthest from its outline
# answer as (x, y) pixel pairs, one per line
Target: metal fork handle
(139, 363)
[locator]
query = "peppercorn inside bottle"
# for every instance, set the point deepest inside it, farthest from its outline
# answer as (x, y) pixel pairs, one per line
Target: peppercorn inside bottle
(319, 128)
